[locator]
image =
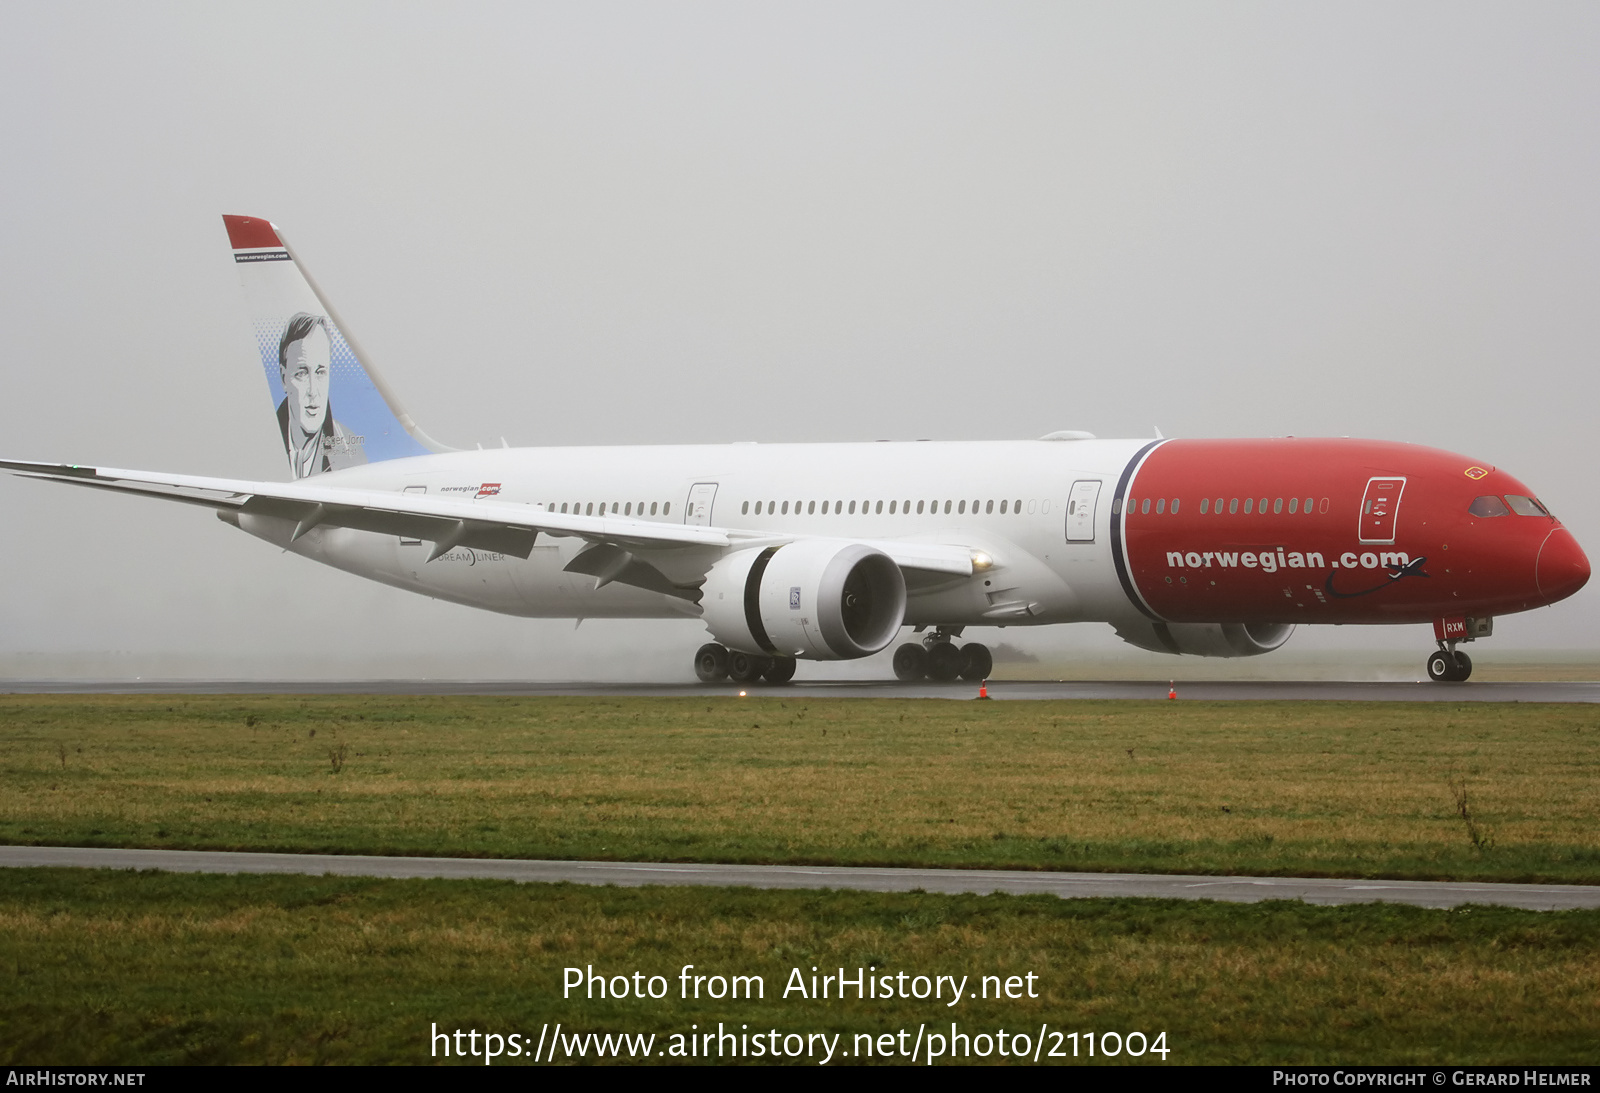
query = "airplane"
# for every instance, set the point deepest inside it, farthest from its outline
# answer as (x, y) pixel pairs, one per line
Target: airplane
(785, 552)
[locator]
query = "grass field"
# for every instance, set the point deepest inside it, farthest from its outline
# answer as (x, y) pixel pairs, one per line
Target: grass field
(1479, 791)
(148, 968)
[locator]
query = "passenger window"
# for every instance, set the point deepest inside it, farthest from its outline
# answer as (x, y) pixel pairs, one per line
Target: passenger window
(919, 508)
(1294, 503)
(1233, 506)
(652, 508)
(1174, 506)
(1218, 507)
(988, 509)
(1525, 506)
(961, 508)
(1322, 506)
(666, 508)
(880, 506)
(1248, 501)
(853, 508)
(786, 508)
(744, 509)
(810, 509)
(1002, 508)
(1016, 507)
(1277, 506)
(947, 508)
(1161, 504)
(892, 504)
(1144, 507)
(1205, 503)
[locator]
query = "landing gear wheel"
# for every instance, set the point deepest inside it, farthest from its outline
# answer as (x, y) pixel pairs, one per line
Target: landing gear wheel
(746, 667)
(944, 662)
(711, 663)
(910, 663)
(1446, 667)
(976, 661)
(780, 670)
(1441, 667)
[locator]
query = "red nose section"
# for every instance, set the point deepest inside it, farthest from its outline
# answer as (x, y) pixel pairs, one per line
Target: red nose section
(1562, 568)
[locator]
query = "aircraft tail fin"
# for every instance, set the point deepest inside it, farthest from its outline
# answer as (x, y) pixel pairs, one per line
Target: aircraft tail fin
(334, 410)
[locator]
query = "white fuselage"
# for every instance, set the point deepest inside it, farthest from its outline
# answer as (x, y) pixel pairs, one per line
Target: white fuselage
(1006, 498)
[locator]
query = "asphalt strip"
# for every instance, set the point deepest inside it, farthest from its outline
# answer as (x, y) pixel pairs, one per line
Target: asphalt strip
(1045, 690)
(1316, 890)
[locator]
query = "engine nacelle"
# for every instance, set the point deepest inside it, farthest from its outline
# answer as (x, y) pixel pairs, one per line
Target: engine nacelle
(819, 599)
(1208, 639)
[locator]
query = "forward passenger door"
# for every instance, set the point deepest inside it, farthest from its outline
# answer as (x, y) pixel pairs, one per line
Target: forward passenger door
(1081, 504)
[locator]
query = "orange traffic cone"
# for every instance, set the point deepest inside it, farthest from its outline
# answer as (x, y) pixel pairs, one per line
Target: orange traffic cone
(983, 689)
(1172, 689)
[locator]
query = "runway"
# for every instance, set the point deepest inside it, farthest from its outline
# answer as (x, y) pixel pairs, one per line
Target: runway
(1004, 690)
(1315, 890)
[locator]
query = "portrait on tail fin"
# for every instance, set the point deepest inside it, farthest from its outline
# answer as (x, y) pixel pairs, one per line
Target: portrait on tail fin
(312, 438)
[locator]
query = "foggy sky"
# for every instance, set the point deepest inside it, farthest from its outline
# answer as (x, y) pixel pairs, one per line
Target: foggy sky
(661, 223)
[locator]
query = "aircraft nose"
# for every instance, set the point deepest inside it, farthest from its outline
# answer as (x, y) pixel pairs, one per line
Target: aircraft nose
(1562, 568)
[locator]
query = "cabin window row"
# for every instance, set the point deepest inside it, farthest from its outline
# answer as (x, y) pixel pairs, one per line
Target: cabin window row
(875, 508)
(617, 508)
(1260, 507)
(1143, 506)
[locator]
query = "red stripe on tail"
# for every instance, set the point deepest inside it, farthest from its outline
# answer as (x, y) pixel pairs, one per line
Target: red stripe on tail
(249, 231)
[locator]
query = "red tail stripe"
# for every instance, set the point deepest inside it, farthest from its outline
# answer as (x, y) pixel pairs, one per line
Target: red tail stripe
(249, 231)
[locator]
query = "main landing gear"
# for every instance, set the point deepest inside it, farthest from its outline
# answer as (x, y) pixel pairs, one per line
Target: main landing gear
(714, 663)
(1448, 665)
(938, 658)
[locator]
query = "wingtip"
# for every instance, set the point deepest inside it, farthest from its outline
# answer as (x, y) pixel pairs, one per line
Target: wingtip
(249, 232)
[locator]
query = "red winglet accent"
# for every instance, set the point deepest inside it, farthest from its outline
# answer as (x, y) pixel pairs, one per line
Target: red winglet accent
(249, 231)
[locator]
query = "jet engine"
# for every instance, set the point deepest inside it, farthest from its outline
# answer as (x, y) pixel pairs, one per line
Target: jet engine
(1208, 639)
(820, 599)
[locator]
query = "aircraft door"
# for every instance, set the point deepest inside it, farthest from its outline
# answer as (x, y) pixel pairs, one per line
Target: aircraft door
(1380, 509)
(1081, 505)
(698, 510)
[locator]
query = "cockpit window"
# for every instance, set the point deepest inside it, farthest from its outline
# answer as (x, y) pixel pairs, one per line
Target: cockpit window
(1525, 506)
(1488, 505)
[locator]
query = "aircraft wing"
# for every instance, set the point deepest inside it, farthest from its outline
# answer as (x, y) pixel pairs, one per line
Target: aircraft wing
(503, 526)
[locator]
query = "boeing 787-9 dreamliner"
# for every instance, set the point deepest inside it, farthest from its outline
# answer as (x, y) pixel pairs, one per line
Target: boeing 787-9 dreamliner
(828, 551)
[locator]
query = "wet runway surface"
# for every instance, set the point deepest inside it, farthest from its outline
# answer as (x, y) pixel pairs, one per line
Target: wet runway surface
(1320, 691)
(1537, 897)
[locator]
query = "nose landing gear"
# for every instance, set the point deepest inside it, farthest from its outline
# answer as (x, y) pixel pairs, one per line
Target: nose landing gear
(1448, 665)
(940, 659)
